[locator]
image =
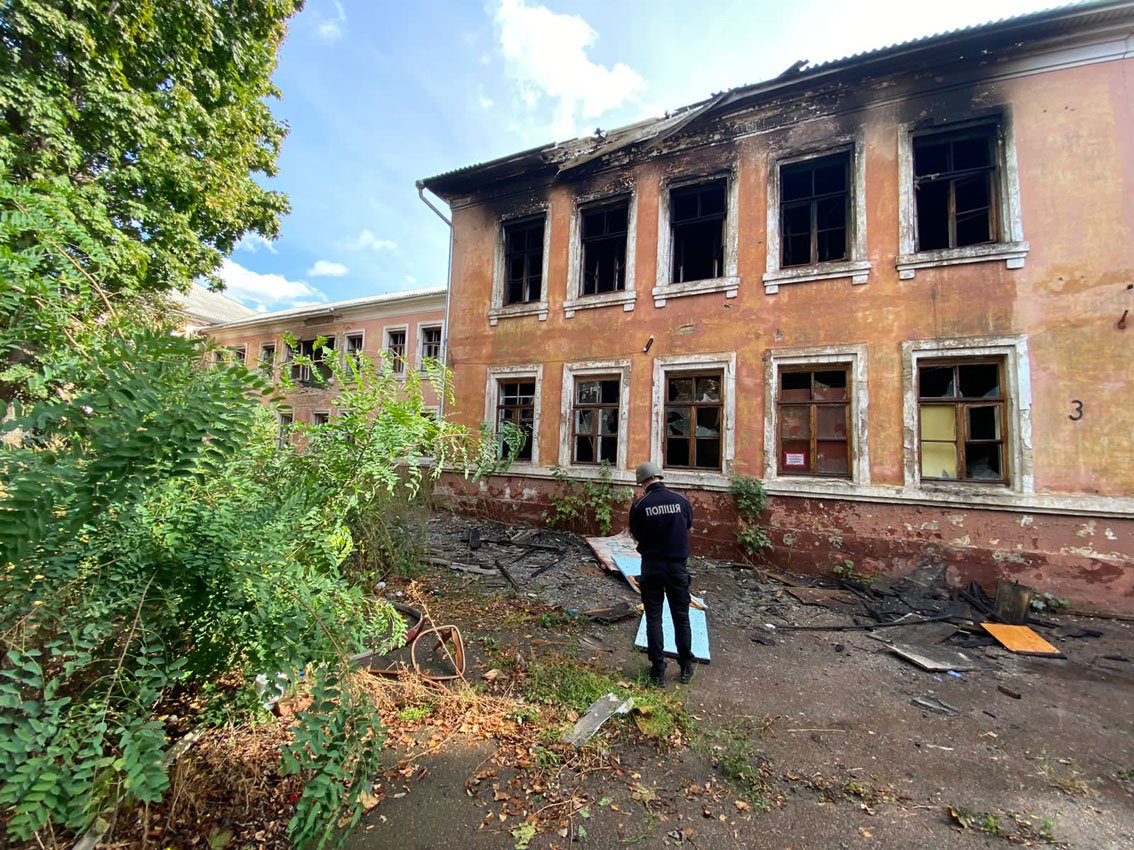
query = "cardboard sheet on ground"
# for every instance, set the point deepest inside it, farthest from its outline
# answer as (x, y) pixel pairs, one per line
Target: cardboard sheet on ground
(698, 626)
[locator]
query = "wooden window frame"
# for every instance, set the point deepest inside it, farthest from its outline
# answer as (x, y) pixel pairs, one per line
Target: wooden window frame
(596, 438)
(533, 263)
(694, 406)
(813, 420)
(813, 201)
(422, 330)
(397, 354)
(961, 405)
(501, 407)
(677, 274)
(620, 273)
(990, 133)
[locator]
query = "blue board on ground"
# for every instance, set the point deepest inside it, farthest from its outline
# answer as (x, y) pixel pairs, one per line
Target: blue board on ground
(629, 565)
(698, 626)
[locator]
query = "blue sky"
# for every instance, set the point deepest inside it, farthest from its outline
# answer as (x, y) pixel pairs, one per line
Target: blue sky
(379, 94)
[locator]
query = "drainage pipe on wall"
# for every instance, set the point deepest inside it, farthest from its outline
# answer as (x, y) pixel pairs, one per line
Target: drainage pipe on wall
(448, 288)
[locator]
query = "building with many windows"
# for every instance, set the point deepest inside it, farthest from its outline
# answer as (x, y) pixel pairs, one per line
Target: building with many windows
(894, 287)
(408, 327)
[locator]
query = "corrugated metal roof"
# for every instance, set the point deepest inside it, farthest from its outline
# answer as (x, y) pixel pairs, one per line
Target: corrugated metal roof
(332, 307)
(205, 307)
(586, 148)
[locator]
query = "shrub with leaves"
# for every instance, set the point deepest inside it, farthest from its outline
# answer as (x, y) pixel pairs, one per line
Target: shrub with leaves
(588, 504)
(751, 500)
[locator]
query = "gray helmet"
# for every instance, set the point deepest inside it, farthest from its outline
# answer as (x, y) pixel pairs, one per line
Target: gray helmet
(646, 471)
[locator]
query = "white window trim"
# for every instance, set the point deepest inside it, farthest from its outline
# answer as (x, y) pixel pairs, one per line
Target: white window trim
(593, 368)
(498, 309)
(575, 299)
(320, 412)
(345, 335)
(729, 283)
(1018, 441)
(492, 398)
(852, 356)
(726, 362)
(857, 268)
(386, 330)
(1012, 249)
(420, 356)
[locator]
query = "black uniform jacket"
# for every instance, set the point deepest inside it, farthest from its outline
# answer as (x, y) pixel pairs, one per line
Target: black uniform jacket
(660, 522)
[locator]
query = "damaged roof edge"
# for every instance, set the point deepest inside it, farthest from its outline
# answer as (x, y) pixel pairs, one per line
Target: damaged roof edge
(385, 299)
(539, 162)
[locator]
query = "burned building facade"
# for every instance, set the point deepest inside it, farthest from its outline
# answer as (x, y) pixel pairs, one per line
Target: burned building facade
(893, 287)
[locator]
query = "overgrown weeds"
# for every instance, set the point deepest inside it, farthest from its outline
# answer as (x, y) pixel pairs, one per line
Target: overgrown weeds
(737, 756)
(1061, 773)
(1013, 827)
(751, 500)
(585, 506)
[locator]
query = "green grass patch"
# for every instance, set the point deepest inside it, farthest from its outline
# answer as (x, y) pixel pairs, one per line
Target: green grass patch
(568, 683)
(1010, 826)
(734, 751)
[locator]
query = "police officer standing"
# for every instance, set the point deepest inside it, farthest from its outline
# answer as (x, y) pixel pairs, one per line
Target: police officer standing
(660, 521)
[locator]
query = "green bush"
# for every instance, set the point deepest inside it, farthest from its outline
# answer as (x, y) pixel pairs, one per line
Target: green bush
(587, 505)
(751, 500)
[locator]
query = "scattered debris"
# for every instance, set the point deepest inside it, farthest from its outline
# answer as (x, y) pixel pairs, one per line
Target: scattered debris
(600, 711)
(935, 659)
(614, 613)
(936, 705)
(1013, 602)
(1008, 692)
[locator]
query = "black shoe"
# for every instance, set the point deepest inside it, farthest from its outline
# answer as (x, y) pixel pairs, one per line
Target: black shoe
(656, 677)
(686, 674)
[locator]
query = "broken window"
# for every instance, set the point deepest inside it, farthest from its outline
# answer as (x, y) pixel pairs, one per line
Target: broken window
(354, 345)
(523, 260)
(320, 417)
(594, 420)
(697, 220)
(239, 354)
(268, 359)
(961, 410)
(955, 184)
(515, 403)
(430, 343)
(303, 373)
(396, 349)
(815, 211)
(285, 421)
(604, 228)
(813, 411)
(694, 412)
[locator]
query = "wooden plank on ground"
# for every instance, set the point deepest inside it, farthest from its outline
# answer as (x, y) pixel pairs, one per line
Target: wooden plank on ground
(1022, 640)
(935, 659)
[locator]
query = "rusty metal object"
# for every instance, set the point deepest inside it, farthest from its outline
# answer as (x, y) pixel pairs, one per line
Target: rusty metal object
(456, 656)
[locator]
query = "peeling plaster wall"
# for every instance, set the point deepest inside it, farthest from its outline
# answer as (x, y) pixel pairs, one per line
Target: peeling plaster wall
(1074, 134)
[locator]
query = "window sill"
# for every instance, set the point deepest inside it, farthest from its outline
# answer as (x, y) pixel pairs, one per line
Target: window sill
(857, 270)
(1012, 253)
(694, 478)
(510, 311)
(728, 285)
(625, 297)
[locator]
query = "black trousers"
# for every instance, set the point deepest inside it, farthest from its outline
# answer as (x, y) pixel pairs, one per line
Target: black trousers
(666, 580)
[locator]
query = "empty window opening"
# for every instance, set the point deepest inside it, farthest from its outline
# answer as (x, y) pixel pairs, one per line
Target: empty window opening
(523, 260)
(430, 344)
(815, 210)
(604, 247)
(320, 417)
(515, 403)
(693, 420)
(268, 358)
(304, 373)
(961, 409)
(396, 350)
(595, 420)
(239, 355)
(813, 411)
(285, 422)
(955, 179)
(697, 218)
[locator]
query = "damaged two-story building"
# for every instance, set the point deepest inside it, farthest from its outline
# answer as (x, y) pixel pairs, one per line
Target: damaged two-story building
(894, 287)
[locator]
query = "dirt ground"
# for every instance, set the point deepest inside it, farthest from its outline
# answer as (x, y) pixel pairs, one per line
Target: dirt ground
(822, 719)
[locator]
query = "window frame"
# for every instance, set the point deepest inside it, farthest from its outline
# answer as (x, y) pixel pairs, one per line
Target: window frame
(422, 327)
(626, 297)
(315, 414)
(589, 370)
(857, 266)
(1017, 423)
(499, 309)
(285, 422)
(1010, 247)
(361, 351)
(493, 376)
(729, 281)
(307, 378)
(812, 406)
(268, 367)
(403, 359)
(961, 425)
(665, 365)
(854, 359)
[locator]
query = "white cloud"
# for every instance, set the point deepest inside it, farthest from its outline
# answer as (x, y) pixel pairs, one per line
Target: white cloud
(330, 29)
(325, 268)
(368, 241)
(483, 100)
(266, 291)
(546, 56)
(410, 279)
(253, 242)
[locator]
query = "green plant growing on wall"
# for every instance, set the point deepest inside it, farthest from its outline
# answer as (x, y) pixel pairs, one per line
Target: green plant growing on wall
(751, 499)
(590, 503)
(845, 571)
